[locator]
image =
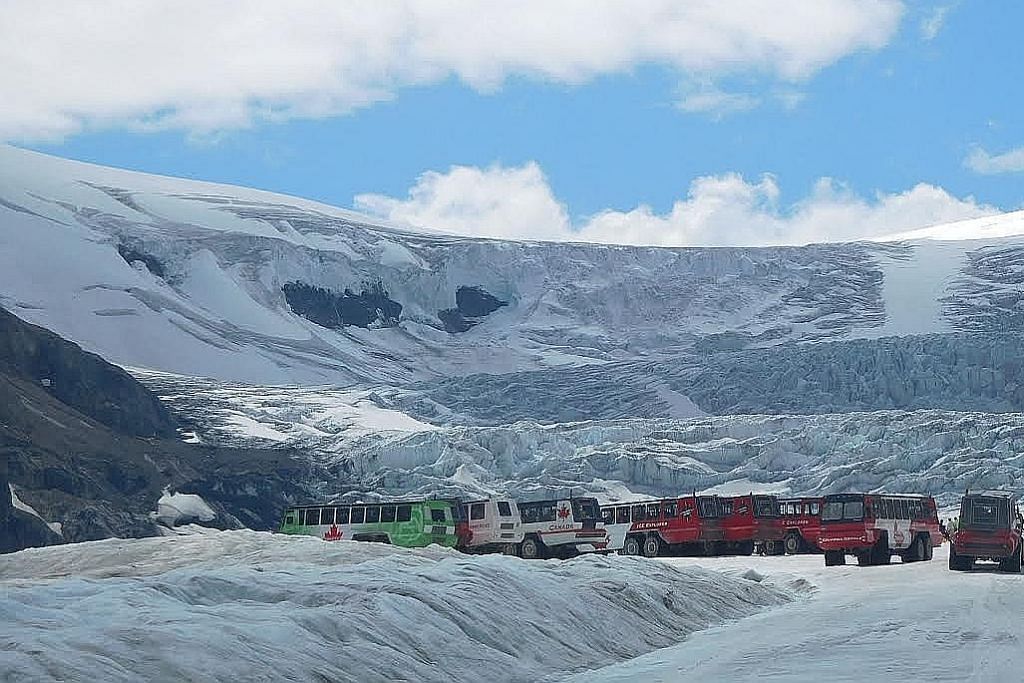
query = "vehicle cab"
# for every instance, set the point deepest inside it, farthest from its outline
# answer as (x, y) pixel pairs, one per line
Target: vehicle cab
(801, 523)
(989, 528)
(489, 525)
(752, 521)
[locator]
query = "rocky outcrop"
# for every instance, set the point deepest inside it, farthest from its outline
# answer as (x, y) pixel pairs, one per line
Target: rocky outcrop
(370, 307)
(471, 305)
(87, 450)
(81, 380)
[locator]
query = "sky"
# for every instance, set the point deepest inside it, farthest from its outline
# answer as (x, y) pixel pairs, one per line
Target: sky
(649, 122)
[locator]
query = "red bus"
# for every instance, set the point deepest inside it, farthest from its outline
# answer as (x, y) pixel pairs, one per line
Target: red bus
(749, 522)
(656, 527)
(874, 527)
(801, 522)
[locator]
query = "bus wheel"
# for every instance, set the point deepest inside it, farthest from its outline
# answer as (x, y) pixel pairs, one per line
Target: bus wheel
(880, 552)
(916, 551)
(864, 559)
(959, 563)
(929, 549)
(652, 546)
(747, 548)
(792, 543)
(1011, 564)
(631, 546)
(834, 558)
(530, 549)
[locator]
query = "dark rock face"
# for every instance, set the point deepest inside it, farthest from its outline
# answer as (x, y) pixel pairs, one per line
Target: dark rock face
(471, 304)
(81, 380)
(132, 254)
(87, 451)
(332, 310)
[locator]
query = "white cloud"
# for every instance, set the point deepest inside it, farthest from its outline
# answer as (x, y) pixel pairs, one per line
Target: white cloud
(717, 103)
(933, 23)
(492, 202)
(982, 162)
(517, 203)
(215, 64)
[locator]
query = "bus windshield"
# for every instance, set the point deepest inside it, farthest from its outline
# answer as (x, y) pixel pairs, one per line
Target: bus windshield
(584, 509)
(843, 511)
(765, 506)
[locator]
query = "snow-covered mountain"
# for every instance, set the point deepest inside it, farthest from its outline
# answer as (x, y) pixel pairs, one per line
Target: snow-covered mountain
(225, 282)
(396, 362)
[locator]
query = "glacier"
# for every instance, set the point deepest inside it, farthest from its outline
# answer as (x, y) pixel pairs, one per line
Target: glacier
(256, 606)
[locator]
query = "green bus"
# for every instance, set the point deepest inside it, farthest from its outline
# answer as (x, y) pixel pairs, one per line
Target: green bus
(406, 523)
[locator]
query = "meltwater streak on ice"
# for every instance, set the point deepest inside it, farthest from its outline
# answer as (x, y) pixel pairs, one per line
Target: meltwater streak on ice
(251, 606)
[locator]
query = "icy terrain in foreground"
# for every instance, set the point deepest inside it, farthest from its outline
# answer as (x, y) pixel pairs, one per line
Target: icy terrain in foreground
(254, 606)
(917, 622)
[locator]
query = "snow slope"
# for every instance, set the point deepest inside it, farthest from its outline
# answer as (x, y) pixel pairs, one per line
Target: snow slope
(249, 606)
(901, 622)
(210, 301)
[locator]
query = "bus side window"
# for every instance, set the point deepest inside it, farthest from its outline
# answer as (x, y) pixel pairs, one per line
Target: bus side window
(639, 513)
(670, 508)
(608, 515)
(358, 515)
(327, 516)
(815, 508)
(504, 508)
(622, 515)
(342, 516)
(477, 511)
(387, 514)
(404, 513)
(372, 514)
(653, 510)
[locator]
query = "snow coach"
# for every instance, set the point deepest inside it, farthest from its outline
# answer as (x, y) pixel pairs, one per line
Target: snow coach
(561, 528)
(874, 527)
(488, 526)
(670, 525)
(406, 523)
(801, 522)
(749, 522)
(989, 529)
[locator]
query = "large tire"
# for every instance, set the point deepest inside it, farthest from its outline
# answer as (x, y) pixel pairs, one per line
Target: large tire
(631, 546)
(1012, 563)
(793, 543)
(745, 548)
(652, 546)
(880, 552)
(834, 558)
(531, 549)
(916, 552)
(929, 549)
(865, 558)
(959, 563)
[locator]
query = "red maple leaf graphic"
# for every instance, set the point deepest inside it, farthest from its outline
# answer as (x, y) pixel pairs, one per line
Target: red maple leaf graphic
(334, 534)
(563, 513)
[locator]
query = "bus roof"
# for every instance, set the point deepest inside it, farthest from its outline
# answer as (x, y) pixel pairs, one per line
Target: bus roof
(343, 503)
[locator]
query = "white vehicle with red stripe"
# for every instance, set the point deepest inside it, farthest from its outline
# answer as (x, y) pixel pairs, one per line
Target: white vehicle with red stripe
(561, 528)
(487, 526)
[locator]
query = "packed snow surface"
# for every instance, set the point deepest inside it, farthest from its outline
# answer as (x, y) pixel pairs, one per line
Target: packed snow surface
(917, 622)
(250, 606)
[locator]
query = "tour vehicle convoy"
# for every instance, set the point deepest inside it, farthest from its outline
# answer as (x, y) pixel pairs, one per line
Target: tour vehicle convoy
(751, 522)
(406, 523)
(669, 525)
(801, 523)
(490, 525)
(874, 527)
(989, 528)
(561, 528)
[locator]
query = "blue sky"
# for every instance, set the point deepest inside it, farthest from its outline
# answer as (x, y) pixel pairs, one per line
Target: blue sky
(911, 104)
